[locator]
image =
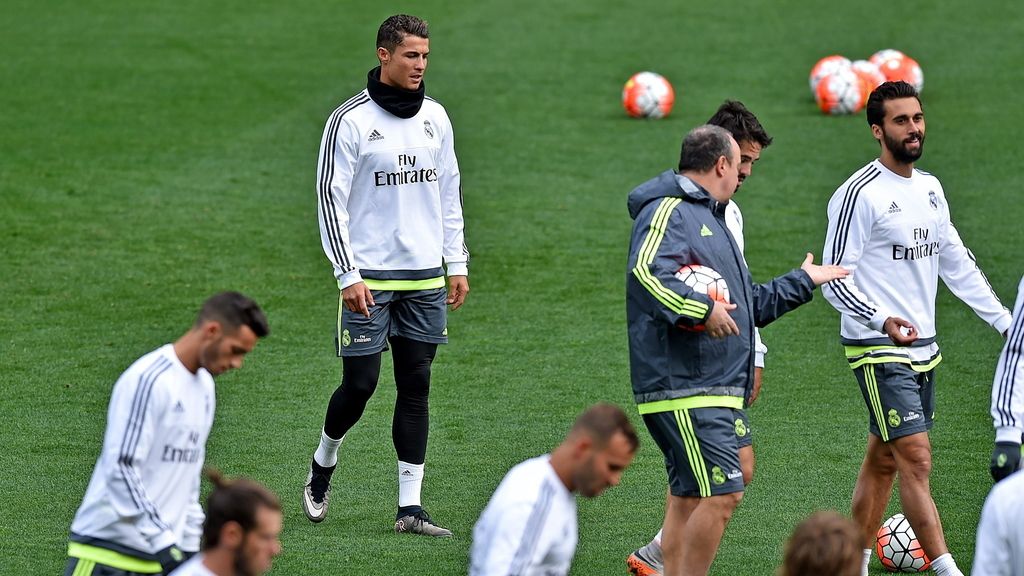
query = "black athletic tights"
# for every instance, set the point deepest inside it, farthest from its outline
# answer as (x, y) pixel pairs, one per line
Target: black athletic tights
(359, 377)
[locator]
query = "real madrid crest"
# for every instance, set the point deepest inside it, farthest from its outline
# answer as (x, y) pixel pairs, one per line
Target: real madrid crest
(428, 129)
(933, 199)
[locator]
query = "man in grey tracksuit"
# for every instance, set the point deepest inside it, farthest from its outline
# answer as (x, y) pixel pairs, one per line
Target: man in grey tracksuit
(691, 357)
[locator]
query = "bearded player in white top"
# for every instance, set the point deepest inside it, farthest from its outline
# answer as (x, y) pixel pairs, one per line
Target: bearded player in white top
(529, 526)
(141, 512)
(889, 225)
(390, 214)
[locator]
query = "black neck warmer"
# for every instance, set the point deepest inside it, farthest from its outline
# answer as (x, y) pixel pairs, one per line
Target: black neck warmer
(401, 103)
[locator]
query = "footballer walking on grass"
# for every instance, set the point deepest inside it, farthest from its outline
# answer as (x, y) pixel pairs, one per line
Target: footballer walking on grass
(692, 357)
(390, 210)
(889, 225)
(141, 512)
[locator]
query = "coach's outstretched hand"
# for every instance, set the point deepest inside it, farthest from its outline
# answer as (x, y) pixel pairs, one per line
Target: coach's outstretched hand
(821, 274)
(1005, 460)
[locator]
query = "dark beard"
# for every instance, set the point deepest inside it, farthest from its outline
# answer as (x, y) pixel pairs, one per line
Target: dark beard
(242, 567)
(900, 152)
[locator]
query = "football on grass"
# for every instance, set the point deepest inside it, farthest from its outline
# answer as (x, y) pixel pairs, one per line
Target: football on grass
(898, 547)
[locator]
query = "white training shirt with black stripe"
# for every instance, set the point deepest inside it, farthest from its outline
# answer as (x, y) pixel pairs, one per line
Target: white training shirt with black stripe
(144, 491)
(388, 194)
(895, 236)
(529, 526)
(1008, 385)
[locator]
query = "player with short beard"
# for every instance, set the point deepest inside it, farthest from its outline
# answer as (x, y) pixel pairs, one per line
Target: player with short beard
(529, 524)
(889, 225)
(141, 512)
(241, 532)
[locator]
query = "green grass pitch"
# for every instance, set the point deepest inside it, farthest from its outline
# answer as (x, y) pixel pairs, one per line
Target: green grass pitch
(153, 153)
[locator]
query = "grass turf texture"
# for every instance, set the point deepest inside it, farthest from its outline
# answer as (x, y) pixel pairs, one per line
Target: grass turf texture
(155, 154)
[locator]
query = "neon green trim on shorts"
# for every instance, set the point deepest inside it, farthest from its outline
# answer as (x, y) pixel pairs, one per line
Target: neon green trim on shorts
(83, 567)
(428, 284)
(113, 559)
(691, 402)
(860, 355)
(871, 383)
(692, 445)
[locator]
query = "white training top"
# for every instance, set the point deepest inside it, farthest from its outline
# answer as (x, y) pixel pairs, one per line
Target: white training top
(194, 567)
(388, 194)
(1008, 385)
(144, 491)
(999, 550)
(529, 526)
(895, 237)
(734, 222)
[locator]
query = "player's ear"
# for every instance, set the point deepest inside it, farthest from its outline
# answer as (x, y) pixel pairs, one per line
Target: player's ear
(383, 55)
(583, 446)
(231, 534)
(212, 329)
(721, 165)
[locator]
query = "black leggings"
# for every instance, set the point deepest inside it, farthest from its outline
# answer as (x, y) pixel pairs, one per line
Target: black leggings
(359, 377)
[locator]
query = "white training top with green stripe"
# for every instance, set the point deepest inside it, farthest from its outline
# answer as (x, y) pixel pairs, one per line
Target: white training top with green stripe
(388, 193)
(895, 237)
(144, 491)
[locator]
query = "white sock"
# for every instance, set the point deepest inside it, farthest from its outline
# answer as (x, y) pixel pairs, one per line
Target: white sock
(867, 559)
(657, 538)
(410, 481)
(326, 453)
(945, 566)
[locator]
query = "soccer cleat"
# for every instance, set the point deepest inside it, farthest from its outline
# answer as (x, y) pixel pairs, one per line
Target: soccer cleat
(419, 522)
(638, 564)
(317, 492)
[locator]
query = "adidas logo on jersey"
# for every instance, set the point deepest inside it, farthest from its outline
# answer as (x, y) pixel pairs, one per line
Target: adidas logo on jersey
(179, 407)
(374, 136)
(893, 208)
(705, 231)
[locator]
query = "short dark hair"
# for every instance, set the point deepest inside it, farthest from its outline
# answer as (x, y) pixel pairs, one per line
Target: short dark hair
(825, 543)
(887, 91)
(703, 146)
(393, 30)
(741, 123)
(234, 500)
(602, 421)
(234, 310)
